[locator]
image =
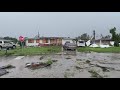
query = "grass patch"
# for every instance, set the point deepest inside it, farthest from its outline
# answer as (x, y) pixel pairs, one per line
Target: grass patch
(32, 51)
(49, 62)
(99, 50)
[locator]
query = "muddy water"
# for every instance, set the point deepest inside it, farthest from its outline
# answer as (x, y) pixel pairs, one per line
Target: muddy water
(67, 66)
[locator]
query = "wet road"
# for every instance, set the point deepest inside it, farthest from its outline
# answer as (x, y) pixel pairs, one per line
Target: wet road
(68, 65)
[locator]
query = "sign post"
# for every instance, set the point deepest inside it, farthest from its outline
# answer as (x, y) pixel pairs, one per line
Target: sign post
(21, 39)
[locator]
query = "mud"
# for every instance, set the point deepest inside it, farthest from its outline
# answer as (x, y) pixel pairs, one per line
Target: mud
(72, 65)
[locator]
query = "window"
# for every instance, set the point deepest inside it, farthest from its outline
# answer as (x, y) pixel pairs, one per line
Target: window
(30, 41)
(45, 40)
(81, 41)
(6, 42)
(37, 41)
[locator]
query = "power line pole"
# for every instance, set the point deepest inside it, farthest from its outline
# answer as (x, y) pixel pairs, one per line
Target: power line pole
(94, 35)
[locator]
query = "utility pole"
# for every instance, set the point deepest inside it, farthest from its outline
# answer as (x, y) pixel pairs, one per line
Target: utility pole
(94, 35)
(38, 34)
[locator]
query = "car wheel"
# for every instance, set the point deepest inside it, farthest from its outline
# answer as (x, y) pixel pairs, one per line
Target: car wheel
(14, 47)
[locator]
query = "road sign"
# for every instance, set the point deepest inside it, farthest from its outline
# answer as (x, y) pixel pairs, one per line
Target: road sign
(21, 38)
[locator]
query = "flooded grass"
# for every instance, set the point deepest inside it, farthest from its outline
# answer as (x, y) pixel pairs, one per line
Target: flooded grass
(83, 65)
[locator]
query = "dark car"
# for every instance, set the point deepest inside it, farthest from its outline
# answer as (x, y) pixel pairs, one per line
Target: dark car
(69, 46)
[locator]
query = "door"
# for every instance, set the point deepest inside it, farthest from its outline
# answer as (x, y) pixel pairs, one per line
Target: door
(7, 44)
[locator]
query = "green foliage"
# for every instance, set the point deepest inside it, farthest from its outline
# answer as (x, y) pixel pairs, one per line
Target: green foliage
(115, 36)
(116, 44)
(49, 62)
(84, 37)
(10, 38)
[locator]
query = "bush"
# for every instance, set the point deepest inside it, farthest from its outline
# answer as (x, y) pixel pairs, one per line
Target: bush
(116, 44)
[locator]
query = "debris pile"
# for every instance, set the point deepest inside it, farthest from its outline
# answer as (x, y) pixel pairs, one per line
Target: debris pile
(3, 70)
(7, 67)
(37, 65)
(41, 57)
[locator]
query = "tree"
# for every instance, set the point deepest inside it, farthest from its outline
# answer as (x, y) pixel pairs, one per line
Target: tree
(106, 37)
(113, 32)
(115, 37)
(10, 38)
(84, 36)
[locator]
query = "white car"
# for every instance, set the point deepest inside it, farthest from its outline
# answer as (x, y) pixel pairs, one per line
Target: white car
(81, 43)
(7, 44)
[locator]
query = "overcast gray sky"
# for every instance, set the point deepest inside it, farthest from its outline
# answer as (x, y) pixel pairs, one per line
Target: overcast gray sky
(69, 24)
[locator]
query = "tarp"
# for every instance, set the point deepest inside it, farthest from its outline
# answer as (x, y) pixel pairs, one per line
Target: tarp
(88, 43)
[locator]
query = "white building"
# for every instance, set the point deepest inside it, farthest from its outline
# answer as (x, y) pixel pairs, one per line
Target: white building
(36, 41)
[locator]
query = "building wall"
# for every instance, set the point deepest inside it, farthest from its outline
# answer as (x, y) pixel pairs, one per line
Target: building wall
(30, 44)
(56, 41)
(104, 42)
(43, 41)
(34, 43)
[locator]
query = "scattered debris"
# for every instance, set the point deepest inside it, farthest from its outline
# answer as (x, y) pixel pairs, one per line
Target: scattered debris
(65, 75)
(78, 67)
(67, 69)
(105, 69)
(7, 67)
(95, 74)
(37, 65)
(19, 57)
(68, 57)
(87, 61)
(79, 59)
(3, 72)
(68, 74)
(41, 57)
(54, 60)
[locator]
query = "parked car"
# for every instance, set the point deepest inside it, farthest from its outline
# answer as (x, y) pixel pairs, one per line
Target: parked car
(69, 46)
(7, 44)
(81, 43)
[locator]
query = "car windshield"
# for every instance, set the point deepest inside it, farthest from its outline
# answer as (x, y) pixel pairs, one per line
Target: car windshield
(71, 44)
(81, 41)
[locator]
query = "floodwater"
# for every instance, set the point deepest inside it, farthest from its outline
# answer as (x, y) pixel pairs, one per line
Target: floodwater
(69, 65)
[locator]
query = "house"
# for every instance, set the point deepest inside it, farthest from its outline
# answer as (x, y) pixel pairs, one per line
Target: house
(104, 42)
(43, 40)
(68, 39)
